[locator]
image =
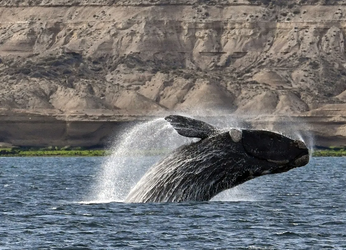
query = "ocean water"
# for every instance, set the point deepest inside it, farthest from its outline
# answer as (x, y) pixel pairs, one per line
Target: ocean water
(49, 203)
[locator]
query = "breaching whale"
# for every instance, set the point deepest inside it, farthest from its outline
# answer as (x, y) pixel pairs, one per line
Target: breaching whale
(218, 161)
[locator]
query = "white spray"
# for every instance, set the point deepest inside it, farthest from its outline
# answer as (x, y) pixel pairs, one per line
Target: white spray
(128, 162)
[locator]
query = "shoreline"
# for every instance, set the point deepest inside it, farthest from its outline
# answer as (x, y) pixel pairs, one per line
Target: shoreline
(18, 152)
(82, 152)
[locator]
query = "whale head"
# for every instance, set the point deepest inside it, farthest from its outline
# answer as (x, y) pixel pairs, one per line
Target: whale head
(269, 152)
(283, 153)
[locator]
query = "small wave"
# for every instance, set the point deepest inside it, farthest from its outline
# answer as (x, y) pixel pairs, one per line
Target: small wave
(287, 233)
(333, 223)
(99, 202)
(234, 195)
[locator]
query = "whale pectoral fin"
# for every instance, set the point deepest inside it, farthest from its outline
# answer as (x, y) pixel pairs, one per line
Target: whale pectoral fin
(189, 127)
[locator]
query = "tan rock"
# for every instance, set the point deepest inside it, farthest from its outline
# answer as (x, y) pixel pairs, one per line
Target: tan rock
(127, 57)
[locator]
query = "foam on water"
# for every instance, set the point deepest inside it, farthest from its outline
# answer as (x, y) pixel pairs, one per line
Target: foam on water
(235, 194)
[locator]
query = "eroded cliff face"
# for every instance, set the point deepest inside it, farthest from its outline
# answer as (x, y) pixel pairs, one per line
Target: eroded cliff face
(200, 57)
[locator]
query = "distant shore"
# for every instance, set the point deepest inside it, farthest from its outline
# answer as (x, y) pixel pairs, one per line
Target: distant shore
(84, 152)
(50, 151)
(330, 152)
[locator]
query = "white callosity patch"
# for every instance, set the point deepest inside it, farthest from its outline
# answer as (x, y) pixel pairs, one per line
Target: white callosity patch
(266, 172)
(302, 160)
(300, 144)
(235, 134)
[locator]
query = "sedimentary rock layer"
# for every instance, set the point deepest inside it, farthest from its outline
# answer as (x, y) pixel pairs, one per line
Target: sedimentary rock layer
(199, 57)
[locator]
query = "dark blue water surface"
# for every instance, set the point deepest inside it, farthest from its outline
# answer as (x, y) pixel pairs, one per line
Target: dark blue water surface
(42, 208)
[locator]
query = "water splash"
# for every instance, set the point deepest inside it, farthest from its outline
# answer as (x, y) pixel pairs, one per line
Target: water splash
(129, 159)
(235, 194)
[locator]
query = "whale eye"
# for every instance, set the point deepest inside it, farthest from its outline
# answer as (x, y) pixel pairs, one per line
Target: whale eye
(236, 135)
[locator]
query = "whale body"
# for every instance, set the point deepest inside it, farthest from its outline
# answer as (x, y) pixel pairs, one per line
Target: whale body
(218, 161)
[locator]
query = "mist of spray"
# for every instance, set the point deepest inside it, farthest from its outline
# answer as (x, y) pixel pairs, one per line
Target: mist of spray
(129, 159)
(296, 129)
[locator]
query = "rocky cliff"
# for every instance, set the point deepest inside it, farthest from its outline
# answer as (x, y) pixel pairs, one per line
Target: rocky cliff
(102, 60)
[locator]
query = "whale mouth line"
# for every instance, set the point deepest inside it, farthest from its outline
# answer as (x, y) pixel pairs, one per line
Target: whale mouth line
(296, 152)
(300, 160)
(283, 162)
